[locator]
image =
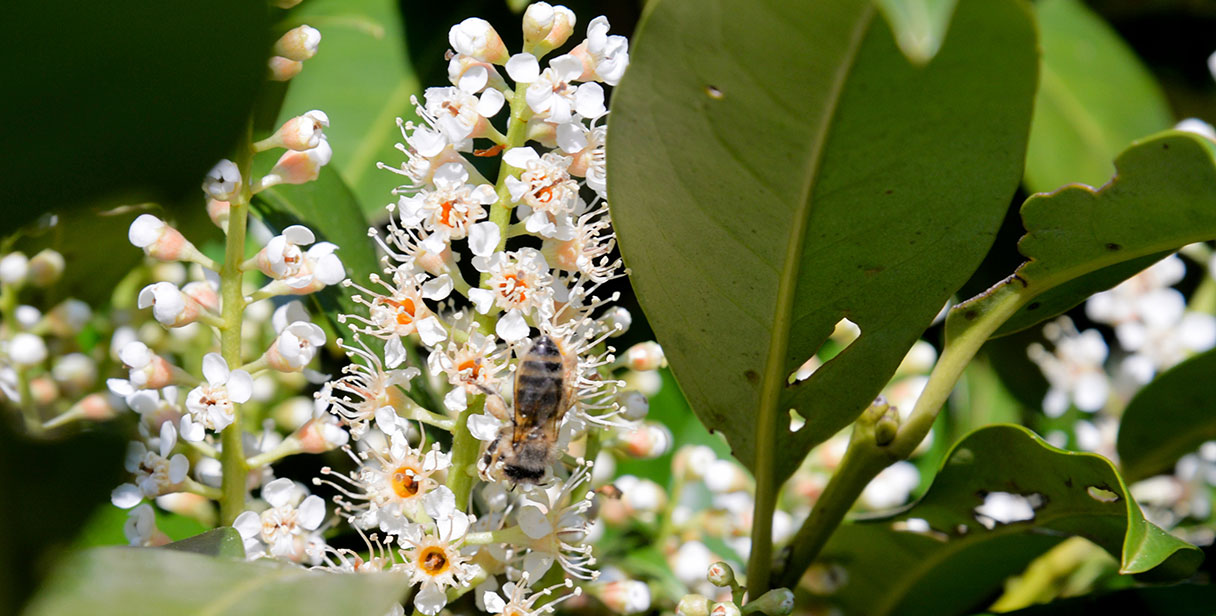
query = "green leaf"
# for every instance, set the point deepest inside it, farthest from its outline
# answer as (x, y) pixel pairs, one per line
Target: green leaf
(123, 100)
(1175, 600)
(758, 202)
(960, 562)
(1094, 98)
(919, 25)
(223, 541)
(1080, 241)
(361, 80)
(121, 580)
(1171, 417)
(328, 207)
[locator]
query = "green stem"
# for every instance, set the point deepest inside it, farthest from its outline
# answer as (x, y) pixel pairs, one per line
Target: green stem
(865, 458)
(465, 448)
(232, 457)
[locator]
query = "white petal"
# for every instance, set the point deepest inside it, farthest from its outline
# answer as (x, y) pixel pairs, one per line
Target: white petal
(168, 438)
(484, 238)
(248, 524)
(430, 599)
(240, 386)
(491, 100)
(299, 235)
(386, 420)
(329, 269)
(589, 100)
(567, 67)
(145, 230)
(394, 353)
(484, 427)
(312, 512)
(287, 314)
(455, 400)
(533, 522)
(482, 299)
(520, 157)
(512, 327)
(492, 602)
(431, 331)
(473, 80)
(524, 68)
(440, 504)
(215, 369)
(136, 354)
(120, 387)
(126, 496)
(439, 287)
(278, 492)
(571, 137)
(1091, 392)
(536, 564)
(191, 431)
(179, 465)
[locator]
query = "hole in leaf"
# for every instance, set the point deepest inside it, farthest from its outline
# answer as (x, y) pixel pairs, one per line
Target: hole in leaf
(1102, 495)
(843, 334)
(919, 526)
(1007, 508)
(715, 93)
(796, 420)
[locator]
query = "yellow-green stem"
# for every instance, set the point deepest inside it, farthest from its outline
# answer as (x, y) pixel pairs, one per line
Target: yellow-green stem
(232, 456)
(465, 448)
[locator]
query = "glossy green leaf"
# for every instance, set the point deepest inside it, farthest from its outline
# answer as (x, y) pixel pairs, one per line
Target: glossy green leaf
(1171, 417)
(123, 100)
(919, 25)
(328, 207)
(223, 541)
(763, 187)
(1094, 98)
(361, 80)
(1174, 600)
(1080, 241)
(959, 562)
(121, 580)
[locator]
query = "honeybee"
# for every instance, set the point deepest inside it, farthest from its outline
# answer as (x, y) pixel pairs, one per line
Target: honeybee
(545, 380)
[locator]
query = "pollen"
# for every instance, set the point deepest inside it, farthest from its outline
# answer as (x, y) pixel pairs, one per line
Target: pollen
(513, 288)
(433, 560)
(405, 310)
(404, 483)
(473, 366)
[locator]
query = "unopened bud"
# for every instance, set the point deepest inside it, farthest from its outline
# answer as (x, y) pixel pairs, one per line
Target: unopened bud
(625, 596)
(170, 306)
(283, 69)
(645, 356)
(547, 27)
(46, 267)
(76, 371)
(724, 476)
(223, 182)
(297, 167)
(691, 461)
(618, 319)
(27, 316)
(720, 574)
(634, 405)
(14, 268)
(97, 407)
(43, 390)
(725, 608)
(148, 370)
(204, 293)
(776, 602)
(69, 317)
(300, 133)
(692, 605)
(26, 349)
(219, 211)
(475, 37)
(159, 240)
(647, 441)
(641, 495)
(885, 421)
(299, 43)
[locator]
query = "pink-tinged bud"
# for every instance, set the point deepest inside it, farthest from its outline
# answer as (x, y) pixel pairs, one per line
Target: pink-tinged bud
(547, 27)
(187, 504)
(297, 167)
(477, 38)
(283, 69)
(98, 407)
(725, 609)
(693, 605)
(295, 347)
(204, 293)
(158, 239)
(46, 267)
(170, 306)
(43, 390)
(649, 440)
(148, 370)
(472, 75)
(625, 596)
(720, 574)
(303, 132)
(299, 43)
(319, 435)
(14, 268)
(219, 212)
(645, 356)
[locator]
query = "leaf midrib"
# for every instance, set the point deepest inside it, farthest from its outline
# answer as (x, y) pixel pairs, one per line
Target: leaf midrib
(775, 364)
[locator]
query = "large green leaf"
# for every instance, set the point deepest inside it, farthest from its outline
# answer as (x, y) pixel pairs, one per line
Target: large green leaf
(1080, 241)
(123, 100)
(1094, 98)
(1174, 600)
(1170, 417)
(919, 25)
(120, 580)
(223, 541)
(764, 186)
(960, 562)
(361, 79)
(328, 207)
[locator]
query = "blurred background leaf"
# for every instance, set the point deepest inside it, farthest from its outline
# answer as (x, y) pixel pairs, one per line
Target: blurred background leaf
(1171, 417)
(1094, 98)
(122, 100)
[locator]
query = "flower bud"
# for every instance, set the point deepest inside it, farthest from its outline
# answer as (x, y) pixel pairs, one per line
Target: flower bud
(725, 608)
(547, 27)
(26, 349)
(691, 461)
(295, 347)
(641, 496)
(219, 211)
(43, 390)
(645, 356)
(69, 317)
(618, 319)
(720, 574)
(776, 602)
(223, 182)
(299, 43)
(148, 370)
(27, 316)
(477, 38)
(297, 167)
(634, 405)
(158, 239)
(625, 596)
(320, 434)
(170, 306)
(303, 132)
(46, 267)
(97, 407)
(76, 371)
(14, 268)
(692, 605)
(724, 476)
(204, 293)
(647, 441)
(283, 69)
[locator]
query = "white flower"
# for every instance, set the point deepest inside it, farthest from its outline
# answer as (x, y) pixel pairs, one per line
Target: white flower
(546, 188)
(223, 182)
(14, 268)
(605, 57)
(1075, 371)
(26, 349)
(451, 208)
(519, 281)
(211, 404)
(303, 272)
(155, 472)
(552, 96)
(302, 132)
(289, 528)
(170, 306)
(435, 559)
(556, 524)
(459, 115)
(140, 527)
(475, 37)
(158, 240)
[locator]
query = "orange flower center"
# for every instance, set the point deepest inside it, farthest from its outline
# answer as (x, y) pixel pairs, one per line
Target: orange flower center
(405, 310)
(433, 560)
(471, 365)
(404, 482)
(445, 215)
(513, 288)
